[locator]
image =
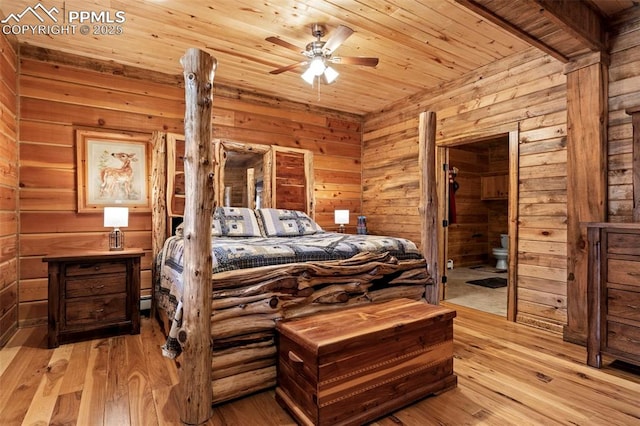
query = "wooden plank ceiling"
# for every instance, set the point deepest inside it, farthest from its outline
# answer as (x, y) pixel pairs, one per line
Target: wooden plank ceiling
(421, 44)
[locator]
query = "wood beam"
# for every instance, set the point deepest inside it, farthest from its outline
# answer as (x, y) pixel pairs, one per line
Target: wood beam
(578, 19)
(509, 27)
(587, 108)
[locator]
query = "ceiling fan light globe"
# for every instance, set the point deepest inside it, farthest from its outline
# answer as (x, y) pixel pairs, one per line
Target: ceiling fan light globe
(330, 75)
(308, 76)
(317, 66)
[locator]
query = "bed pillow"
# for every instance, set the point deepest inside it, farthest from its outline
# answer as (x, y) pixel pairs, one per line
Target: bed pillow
(235, 222)
(286, 223)
(216, 230)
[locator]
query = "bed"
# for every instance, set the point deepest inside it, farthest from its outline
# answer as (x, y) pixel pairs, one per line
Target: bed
(242, 364)
(270, 264)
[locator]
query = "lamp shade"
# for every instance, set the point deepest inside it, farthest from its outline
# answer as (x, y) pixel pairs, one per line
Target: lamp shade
(341, 217)
(317, 66)
(116, 217)
(309, 76)
(330, 75)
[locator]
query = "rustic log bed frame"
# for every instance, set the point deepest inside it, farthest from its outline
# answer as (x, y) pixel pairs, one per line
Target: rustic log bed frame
(238, 322)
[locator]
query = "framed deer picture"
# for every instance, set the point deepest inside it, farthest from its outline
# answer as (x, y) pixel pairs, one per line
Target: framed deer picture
(112, 170)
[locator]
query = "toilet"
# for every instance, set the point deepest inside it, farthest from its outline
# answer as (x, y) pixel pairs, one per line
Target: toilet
(501, 253)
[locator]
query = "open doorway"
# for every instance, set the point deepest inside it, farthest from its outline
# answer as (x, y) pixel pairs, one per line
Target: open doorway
(479, 194)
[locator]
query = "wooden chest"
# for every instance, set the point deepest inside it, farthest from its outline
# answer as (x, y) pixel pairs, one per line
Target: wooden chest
(355, 365)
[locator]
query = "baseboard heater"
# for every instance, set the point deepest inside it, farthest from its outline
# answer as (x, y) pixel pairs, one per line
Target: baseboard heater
(145, 303)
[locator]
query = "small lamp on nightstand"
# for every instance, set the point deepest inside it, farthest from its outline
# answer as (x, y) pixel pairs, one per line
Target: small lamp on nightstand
(116, 217)
(341, 218)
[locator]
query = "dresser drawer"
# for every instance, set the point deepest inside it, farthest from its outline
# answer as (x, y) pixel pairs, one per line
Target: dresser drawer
(623, 243)
(93, 268)
(623, 272)
(623, 304)
(96, 286)
(92, 310)
(623, 337)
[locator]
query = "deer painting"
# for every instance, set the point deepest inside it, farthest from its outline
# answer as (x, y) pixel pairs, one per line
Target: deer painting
(117, 179)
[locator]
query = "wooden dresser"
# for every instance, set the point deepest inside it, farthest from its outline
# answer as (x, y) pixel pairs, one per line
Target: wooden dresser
(93, 294)
(613, 292)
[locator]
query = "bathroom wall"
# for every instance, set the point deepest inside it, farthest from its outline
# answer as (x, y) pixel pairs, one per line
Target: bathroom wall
(497, 210)
(468, 231)
(478, 223)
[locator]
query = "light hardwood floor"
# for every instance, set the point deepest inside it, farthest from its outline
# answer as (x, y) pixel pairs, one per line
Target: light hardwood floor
(508, 374)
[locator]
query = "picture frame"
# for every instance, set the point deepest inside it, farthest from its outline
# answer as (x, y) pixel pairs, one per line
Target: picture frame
(112, 170)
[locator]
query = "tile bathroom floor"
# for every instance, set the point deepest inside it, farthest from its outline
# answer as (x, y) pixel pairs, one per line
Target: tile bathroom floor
(457, 291)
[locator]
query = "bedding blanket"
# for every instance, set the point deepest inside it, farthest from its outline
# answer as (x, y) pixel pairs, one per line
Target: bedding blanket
(241, 253)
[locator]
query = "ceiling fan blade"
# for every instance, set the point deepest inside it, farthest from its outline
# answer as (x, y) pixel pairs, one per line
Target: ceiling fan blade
(285, 44)
(288, 67)
(338, 37)
(355, 60)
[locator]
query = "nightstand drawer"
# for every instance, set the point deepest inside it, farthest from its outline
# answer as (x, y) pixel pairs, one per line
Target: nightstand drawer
(96, 286)
(623, 272)
(93, 268)
(92, 310)
(623, 243)
(623, 304)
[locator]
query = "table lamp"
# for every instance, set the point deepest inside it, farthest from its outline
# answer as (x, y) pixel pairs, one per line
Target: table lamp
(116, 217)
(341, 218)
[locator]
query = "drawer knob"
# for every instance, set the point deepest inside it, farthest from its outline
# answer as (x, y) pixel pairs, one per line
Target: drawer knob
(98, 287)
(97, 267)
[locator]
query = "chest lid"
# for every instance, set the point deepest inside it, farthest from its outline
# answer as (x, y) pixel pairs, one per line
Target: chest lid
(322, 333)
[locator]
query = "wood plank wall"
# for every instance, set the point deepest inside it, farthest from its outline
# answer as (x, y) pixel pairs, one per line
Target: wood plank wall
(624, 92)
(498, 209)
(8, 189)
(60, 93)
(468, 232)
(479, 222)
(527, 90)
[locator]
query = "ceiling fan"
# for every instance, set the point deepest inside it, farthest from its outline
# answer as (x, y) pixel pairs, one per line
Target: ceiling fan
(319, 54)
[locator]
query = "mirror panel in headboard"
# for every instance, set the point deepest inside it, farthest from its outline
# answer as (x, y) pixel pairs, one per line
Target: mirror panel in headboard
(257, 175)
(243, 174)
(175, 175)
(293, 179)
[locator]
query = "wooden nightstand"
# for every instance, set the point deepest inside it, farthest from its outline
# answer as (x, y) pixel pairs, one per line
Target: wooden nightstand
(93, 294)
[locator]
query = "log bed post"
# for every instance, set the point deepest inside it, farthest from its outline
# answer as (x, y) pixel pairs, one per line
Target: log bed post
(428, 207)
(195, 333)
(159, 211)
